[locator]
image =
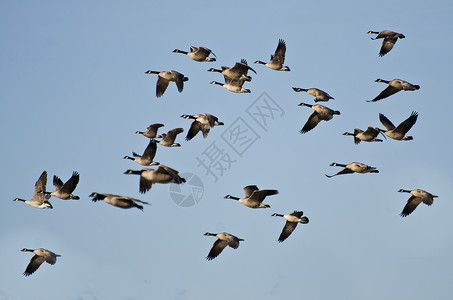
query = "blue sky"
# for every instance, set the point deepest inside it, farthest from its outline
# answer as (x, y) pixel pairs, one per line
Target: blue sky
(74, 92)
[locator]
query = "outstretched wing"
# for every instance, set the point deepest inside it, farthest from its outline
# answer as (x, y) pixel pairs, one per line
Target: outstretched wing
(311, 123)
(216, 249)
(388, 91)
(387, 45)
(410, 206)
(386, 122)
(407, 124)
(69, 185)
(287, 230)
(279, 55)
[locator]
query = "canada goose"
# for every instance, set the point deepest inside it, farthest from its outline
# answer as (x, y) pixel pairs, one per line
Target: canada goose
(198, 54)
(64, 191)
(151, 130)
(277, 59)
(320, 113)
(148, 155)
(118, 201)
(353, 167)
(394, 86)
(164, 78)
(238, 71)
(398, 133)
(168, 139)
(162, 174)
(369, 135)
(41, 255)
(254, 197)
(389, 41)
(40, 199)
(291, 222)
(317, 93)
(417, 196)
(233, 85)
(203, 123)
(223, 239)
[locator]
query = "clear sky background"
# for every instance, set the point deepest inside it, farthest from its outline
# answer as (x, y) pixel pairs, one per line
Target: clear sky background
(74, 92)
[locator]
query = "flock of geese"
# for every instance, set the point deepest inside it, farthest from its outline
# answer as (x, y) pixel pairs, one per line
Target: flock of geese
(234, 79)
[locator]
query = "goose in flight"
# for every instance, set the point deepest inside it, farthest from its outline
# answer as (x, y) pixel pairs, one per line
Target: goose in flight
(118, 201)
(41, 255)
(164, 78)
(201, 123)
(394, 86)
(233, 85)
(40, 197)
(390, 38)
(353, 167)
(291, 222)
(319, 95)
(147, 159)
(238, 71)
(398, 132)
(254, 197)
(151, 130)
(64, 190)
(168, 139)
(417, 196)
(162, 174)
(320, 113)
(223, 239)
(278, 59)
(369, 135)
(198, 54)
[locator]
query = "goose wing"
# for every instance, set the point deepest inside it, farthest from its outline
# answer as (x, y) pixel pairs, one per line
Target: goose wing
(70, 185)
(297, 213)
(406, 125)
(40, 185)
(320, 95)
(132, 199)
(241, 67)
(57, 183)
(171, 134)
(287, 230)
(386, 122)
(387, 45)
(179, 80)
(344, 171)
(279, 55)
(371, 131)
(161, 86)
(211, 119)
(34, 264)
(259, 195)
(233, 241)
(204, 51)
(150, 150)
(408, 86)
(248, 190)
(163, 169)
(410, 206)
(311, 123)
(216, 249)
(145, 184)
(195, 127)
(388, 91)
(152, 129)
